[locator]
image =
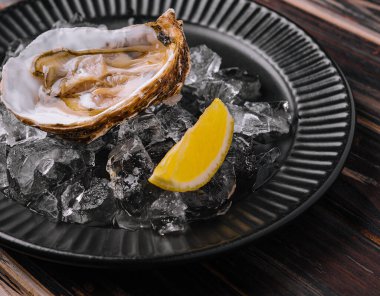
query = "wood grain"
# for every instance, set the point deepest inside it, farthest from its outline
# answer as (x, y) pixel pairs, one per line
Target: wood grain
(332, 249)
(14, 279)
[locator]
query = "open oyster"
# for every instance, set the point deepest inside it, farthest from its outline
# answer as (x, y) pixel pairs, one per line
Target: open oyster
(80, 82)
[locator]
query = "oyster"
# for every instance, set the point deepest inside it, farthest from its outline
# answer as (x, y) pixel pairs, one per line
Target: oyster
(80, 82)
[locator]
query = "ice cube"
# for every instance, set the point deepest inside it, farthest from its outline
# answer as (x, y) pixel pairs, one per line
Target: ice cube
(265, 164)
(148, 127)
(124, 130)
(249, 157)
(15, 132)
(249, 85)
(157, 151)
(279, 125)
(96, 145)
(190, 101)
(137, 202)
(248, 123)
(252, 123)
(3, 131)
(268, 158)
(70, 194)
(259, 107)
(130, 222)
(38, 166)
(46, 205)
(95, 196)
(270, 108)
(152, 207)
(231, 85)
(281, 117)
(96, 205)
(3, 166)
(241, 155)
(204, 62)
(129, 166)
(176, 121)
(208, 90)
(168, 213)
(213, 198)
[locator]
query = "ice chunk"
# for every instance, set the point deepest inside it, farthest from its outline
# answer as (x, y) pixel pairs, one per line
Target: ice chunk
(241, 155)
(130, 222)
(249, 157)
(267, 158)
(3, 166)
(272, 108)
(176, 121)
(251, 123)
(231, 85)
(213, 198)
(136, 203)
(15, 132)
(248, 123)
(3, 131)
(136, 207)
(190, 101)
(129, 166)
(265, 164)
(249, 85)
(279, 125)
(153, 207)
(96, 145)
(259, 107)
(46, 205)
(148, 127)
(204, 62)
(96, 205)
(71, 193)
(168, 204)
(124, 131)
(168, 213)
(38, 166)
(208, 90)
(92, 198)
(157, 151)
(281, 116)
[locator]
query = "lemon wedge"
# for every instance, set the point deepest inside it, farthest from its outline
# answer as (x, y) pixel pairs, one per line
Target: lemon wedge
(194, 160)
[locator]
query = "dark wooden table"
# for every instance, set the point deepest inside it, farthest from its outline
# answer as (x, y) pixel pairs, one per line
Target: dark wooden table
(332, 249)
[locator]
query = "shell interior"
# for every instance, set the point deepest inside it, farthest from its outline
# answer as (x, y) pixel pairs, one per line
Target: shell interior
(101, 70)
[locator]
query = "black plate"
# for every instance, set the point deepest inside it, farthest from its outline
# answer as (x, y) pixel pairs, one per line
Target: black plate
(247, 35)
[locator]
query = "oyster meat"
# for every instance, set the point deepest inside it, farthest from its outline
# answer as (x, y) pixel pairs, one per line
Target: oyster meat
(80, 82)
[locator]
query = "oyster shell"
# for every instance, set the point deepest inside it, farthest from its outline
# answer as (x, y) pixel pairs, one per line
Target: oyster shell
(80, 82)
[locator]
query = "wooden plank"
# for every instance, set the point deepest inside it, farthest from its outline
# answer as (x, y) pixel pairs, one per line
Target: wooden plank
(14, 279)
(335, 19)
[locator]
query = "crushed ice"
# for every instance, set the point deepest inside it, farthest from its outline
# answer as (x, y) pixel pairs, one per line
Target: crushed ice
(105, 182)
